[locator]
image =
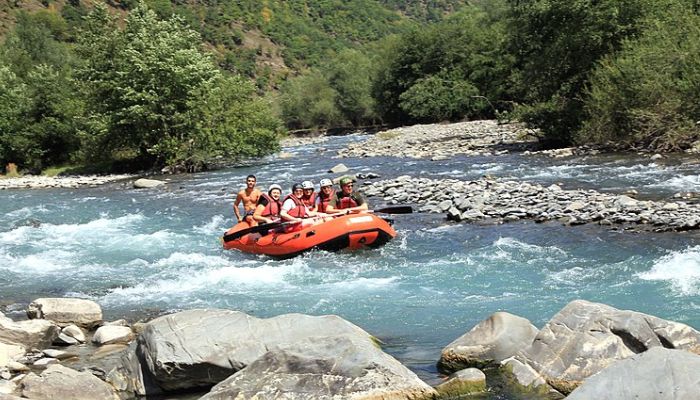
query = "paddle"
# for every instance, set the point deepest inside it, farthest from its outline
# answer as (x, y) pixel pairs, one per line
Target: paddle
(256, 229)
(395, 210)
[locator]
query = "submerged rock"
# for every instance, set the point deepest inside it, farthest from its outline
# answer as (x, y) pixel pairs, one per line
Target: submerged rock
(144, 183)
(337, 367)
(656, 374)
(466, 381)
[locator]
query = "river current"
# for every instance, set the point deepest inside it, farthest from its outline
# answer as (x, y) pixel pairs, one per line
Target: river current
(144, 252)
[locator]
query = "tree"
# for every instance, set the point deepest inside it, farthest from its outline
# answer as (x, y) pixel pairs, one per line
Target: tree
(556, 44)
(150, 85)
(309, 101)
(648, 94)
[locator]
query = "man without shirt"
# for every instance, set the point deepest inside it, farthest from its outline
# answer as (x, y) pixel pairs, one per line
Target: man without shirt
(249, 196)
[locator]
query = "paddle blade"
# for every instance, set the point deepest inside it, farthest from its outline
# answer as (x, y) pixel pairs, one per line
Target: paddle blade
(255, 229)
(396, 210)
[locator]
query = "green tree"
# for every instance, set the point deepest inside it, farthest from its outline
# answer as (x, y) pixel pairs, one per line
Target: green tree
(148, 85)
(648, 94)
(13, 101)
(440, 97)
(309, 101)
(556, 44)
(350, 74)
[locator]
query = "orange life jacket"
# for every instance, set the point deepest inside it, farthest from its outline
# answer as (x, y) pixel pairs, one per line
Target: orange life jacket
(310, 201)
(324, 201)
(300, 210)
(273, 207)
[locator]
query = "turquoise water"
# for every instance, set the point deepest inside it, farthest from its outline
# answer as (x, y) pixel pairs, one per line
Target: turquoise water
(143, 252)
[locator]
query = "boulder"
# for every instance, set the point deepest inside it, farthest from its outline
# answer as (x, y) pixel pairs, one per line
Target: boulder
(584, 338)
(144, 183)
(339, 169)
(113, 335)
(656, 374)
(197, 348)
(29, 334)
(75, 332)
(466, 381)
(59, 382)
(124, 371)
(330, 367)
(9, 353)
(64, 312)
(491, 341)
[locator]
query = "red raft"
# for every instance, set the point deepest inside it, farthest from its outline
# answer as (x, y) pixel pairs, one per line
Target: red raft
(352, 231)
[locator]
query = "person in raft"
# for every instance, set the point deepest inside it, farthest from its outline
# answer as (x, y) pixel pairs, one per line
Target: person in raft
(324, 196)
(269, 206)
(249, 196)
(309, 197)
(346, 200)
(294, 209)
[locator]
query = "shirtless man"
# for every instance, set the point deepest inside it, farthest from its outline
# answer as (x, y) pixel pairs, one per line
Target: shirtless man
(249, 196)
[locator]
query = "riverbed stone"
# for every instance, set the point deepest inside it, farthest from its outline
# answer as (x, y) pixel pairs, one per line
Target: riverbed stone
(28, 334)
(323, 367)
(196, 348)
(491, 341)
(59, 382)
(65, 340)
(113, 335)
(75, 332)
(584, 338)
(9, 353)
(465, 381)
(656, 374)
(66, 311)
(144, 183)
(339, 169)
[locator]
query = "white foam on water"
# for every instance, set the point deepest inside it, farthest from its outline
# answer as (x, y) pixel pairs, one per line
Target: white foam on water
(184, 275)
(45, 262)
(216, 226)
(511, 243)
(687, 183)
(363, 284)
(681, 269)
(25, 212)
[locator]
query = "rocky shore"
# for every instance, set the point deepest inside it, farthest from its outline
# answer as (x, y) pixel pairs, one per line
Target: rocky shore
(494, 200)
(43, 182)
(440, 141)
(65, 350)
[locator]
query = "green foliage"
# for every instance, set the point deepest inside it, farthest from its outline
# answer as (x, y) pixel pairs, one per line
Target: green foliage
(310, 101)
(649, 93)
(556, 44)
(153, 93)
(458, 61)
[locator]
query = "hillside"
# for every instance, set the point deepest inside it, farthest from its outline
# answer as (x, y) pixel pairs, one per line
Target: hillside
(265, 40)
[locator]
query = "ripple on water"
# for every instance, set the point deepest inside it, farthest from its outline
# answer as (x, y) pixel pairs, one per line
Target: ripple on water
(681, 269)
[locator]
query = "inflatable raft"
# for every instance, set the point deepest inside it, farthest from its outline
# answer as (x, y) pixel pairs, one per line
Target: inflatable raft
(352, 231)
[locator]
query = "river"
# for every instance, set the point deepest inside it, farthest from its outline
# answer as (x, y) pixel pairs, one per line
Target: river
(143, 252)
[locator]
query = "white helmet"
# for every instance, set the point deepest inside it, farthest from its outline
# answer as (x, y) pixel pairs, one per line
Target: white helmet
(325, 182)
(278, 187)
(307, 185)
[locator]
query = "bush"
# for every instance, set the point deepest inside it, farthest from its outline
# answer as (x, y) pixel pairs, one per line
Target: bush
(649, 94)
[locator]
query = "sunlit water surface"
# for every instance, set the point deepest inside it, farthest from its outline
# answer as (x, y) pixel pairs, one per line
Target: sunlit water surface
(144, 252)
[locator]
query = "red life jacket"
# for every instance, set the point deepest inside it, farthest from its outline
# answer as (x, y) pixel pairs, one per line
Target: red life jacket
(310, 201)
(346, 201)
(300, 210)
(273, 207)
(324, 201)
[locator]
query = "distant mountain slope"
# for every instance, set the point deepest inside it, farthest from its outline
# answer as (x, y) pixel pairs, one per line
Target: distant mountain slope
(267, 39)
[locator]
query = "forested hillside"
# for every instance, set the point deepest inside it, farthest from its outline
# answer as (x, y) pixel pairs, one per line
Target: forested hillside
(124, 84)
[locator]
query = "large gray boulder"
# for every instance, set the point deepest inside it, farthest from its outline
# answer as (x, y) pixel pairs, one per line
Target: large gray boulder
(64, 312)
(584, 338)
(9, 353)
(203, 347)
(37, 334)
(113, 335)
(144, 183)
(656, 374)
(330, 367)
(491, 341)
(59, 382)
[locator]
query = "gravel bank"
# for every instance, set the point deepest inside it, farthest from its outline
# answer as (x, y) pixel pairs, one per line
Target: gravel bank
(43, 182)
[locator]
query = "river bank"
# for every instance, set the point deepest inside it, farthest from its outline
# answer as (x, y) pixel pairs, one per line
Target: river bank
(44, 182)
(66, 344)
